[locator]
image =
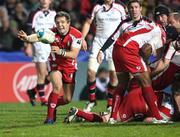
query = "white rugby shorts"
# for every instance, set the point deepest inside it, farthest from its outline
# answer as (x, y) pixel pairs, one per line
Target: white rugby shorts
(41, 52)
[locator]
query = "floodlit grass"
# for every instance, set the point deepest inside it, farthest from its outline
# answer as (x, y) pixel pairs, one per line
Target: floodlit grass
(23, 120)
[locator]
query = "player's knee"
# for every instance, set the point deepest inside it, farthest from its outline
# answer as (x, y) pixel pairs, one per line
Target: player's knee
(91, 75)
(113, 79)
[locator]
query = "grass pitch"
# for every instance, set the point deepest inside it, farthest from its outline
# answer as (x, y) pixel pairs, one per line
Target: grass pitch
(23, 120)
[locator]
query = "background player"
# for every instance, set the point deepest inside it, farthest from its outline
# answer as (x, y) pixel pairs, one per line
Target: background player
(107, 15)
(43, 17)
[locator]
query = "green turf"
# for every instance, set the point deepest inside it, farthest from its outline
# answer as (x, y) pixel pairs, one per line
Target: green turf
(23, 120)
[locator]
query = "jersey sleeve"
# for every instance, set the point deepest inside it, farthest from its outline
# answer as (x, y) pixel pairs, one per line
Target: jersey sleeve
(171, 51)
(76, 37)
(29, 22)
(158, 39)
(94, 11)
(77, 42)
(123, 12)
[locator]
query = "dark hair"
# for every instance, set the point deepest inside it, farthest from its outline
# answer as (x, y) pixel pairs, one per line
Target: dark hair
(102, 69)
(63, 14)
(132, 1)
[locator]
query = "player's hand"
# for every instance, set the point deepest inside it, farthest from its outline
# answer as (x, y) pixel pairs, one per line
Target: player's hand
(84, 45)
(55, 49)
(100, 57)
(22, 35)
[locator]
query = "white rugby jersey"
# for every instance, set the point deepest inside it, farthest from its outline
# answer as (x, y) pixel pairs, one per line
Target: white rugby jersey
(41, 19)
(172, 54)
(107, 20)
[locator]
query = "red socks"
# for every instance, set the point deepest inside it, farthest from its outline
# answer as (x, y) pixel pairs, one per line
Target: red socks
(89, 116)
(52, 103)
(149, 97)
(110, 91)
(92, 91)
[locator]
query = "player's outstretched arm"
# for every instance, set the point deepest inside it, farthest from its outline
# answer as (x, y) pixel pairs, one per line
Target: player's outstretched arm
(27, 38)
(162, 64)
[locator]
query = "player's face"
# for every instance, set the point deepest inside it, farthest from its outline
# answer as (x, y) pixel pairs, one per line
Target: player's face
(44, 4)
(135, 10)
(62, 25)
(174, 22)
(162, 19)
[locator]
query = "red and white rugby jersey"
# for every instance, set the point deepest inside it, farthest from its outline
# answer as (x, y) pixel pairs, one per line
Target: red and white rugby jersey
(173, 54)
(41, 19)
(72, 39)
(107, 20)
(159, 38)
(134, 34)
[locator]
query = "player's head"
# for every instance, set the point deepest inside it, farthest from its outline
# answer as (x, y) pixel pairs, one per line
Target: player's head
(45, 4)
(62, 20)
(135, 8)
(161, 14)
(174, 20)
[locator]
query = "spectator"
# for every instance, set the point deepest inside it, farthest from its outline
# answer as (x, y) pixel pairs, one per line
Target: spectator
(6, 36)
(10, 6)
(18, 22)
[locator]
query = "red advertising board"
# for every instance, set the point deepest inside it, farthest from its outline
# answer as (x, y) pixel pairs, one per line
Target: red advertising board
(15, 79)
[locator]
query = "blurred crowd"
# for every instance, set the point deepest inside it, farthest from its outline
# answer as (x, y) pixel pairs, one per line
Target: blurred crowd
(14, 14)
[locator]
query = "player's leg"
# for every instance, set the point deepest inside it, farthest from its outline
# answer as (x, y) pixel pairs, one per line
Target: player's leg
(56, 79)
(93, 66)
(88, 116)
(40, 56)
(68, 88)
(41, 68)
(123, 79)
(148, 93)
(113, 82)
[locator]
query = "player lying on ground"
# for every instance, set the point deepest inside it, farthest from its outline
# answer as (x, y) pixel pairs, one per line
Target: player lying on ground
(133, 107)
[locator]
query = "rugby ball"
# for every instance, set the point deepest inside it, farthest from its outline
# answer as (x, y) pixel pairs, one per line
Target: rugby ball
(46, 36)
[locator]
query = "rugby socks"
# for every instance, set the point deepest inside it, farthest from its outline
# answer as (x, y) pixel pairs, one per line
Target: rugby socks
(40, 89)
(109, 100)
(110, 91)
(52, 103)
(92, 91)
(117, 96)
(116, 103)
(89, 116)
(148, 95)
